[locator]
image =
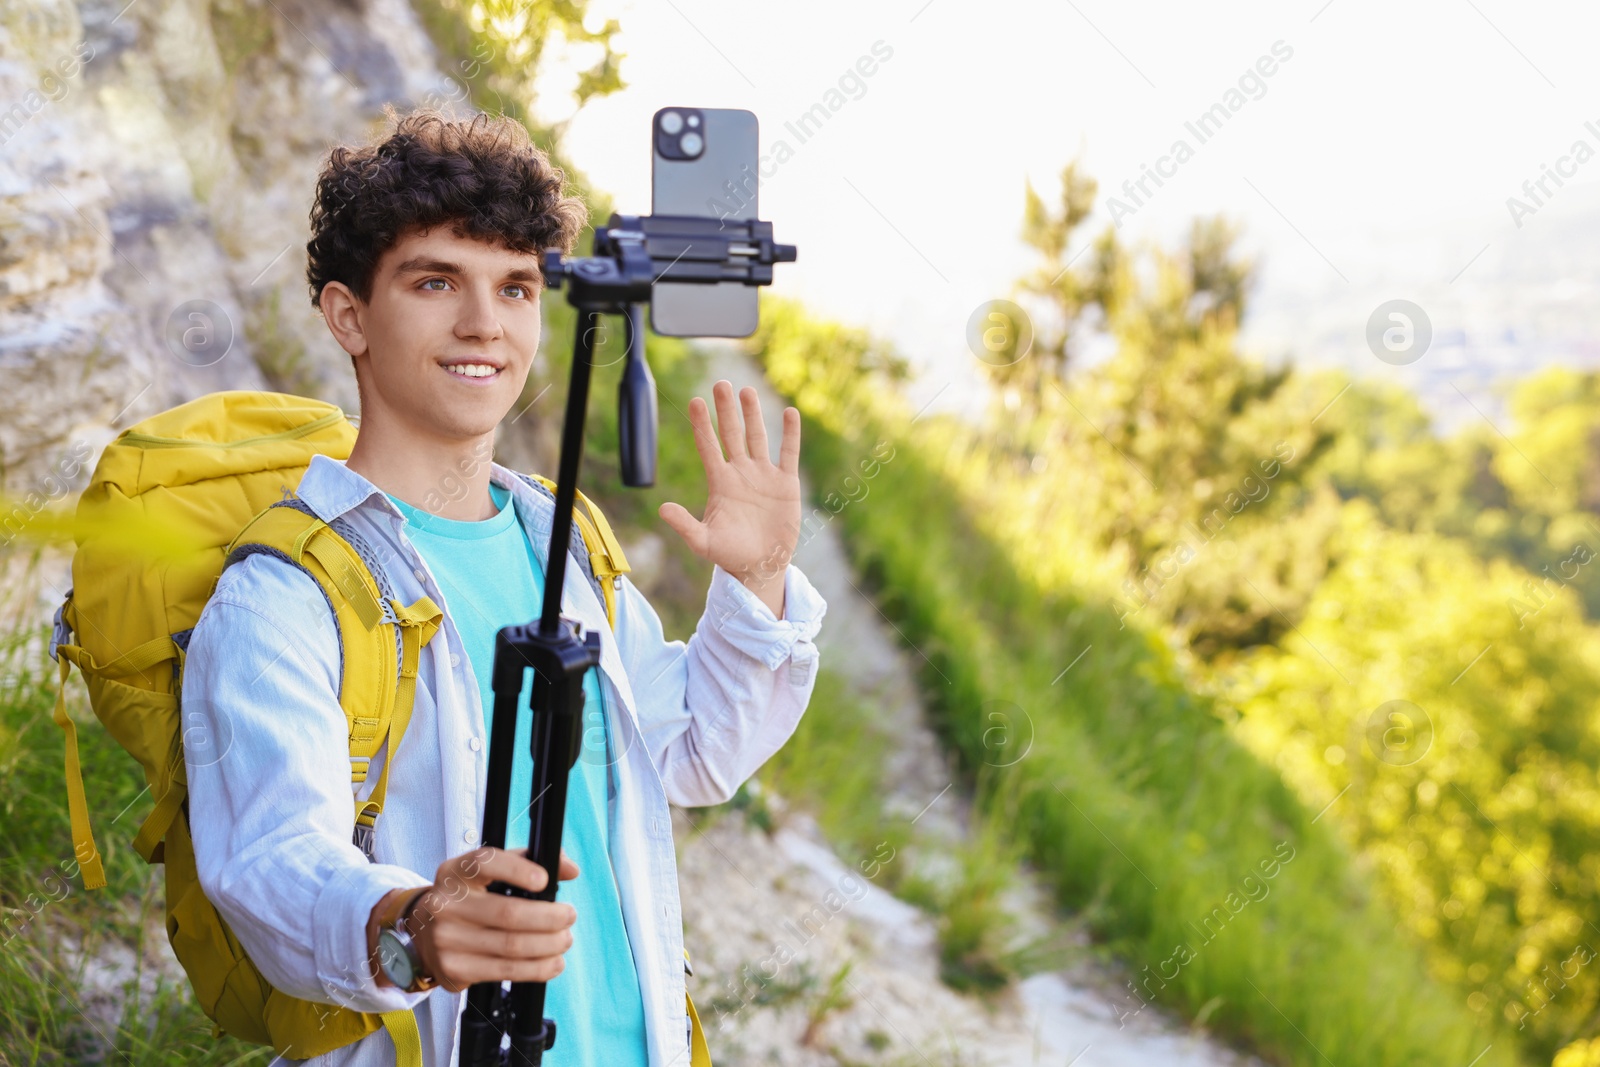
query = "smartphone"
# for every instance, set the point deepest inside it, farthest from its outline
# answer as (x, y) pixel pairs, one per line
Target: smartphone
(704, 163)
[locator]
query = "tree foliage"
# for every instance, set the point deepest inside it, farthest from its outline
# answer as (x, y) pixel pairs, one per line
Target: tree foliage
(1325, 560)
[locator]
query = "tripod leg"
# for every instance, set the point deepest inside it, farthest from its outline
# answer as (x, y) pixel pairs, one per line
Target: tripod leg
(483, 1024)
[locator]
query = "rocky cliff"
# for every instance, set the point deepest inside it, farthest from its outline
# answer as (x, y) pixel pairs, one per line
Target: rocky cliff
(156, 165)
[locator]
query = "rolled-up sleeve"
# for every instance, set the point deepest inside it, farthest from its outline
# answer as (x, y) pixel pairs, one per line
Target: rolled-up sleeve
(270, 804)
(712, 711)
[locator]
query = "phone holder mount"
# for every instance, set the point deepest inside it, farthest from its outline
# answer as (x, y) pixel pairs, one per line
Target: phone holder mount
(631, 254)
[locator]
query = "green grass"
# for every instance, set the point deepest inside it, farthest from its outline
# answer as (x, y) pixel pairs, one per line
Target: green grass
(980, 950)
(1134, 799)
(833, 767)
(832, 999)
(58, 933)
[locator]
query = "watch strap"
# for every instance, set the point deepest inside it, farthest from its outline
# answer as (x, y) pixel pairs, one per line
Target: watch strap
(393, 918)
(408, 904)
(396, 908)
(422, 981)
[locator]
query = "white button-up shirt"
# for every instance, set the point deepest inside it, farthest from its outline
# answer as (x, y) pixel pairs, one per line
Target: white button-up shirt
(270, 799)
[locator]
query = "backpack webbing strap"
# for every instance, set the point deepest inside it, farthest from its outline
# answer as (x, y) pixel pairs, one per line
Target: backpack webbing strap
(349, 577)
(148, 841)
(402, 1027)
(310, 543)
(94, 875)
(141, 658)
(699, 1052)
(418, 623)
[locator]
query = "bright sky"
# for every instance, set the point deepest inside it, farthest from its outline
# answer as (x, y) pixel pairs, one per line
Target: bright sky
(1375, 162)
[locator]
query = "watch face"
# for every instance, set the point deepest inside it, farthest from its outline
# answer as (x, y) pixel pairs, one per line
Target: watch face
(394, 960)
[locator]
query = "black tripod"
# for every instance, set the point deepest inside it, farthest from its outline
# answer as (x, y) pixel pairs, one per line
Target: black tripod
(630, 255)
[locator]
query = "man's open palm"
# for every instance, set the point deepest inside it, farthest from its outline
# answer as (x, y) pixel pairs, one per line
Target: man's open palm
(752, 517)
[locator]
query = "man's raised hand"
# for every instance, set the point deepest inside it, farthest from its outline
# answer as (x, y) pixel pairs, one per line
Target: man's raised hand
(752, 516)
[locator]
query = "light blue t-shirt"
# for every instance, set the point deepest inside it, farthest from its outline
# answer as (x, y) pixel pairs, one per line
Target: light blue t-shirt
(490, 577)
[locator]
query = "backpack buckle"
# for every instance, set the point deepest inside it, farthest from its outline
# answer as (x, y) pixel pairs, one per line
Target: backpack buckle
(362, 837)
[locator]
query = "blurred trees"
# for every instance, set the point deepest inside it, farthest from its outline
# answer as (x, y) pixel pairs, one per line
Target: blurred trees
(1477, 798)
(498, 47)
(1530, 497)
(1319, 551)
(1153, 452)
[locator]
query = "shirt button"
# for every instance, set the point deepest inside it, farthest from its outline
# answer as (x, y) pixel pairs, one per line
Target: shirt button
(474, 744)
(455, 659)
(421, 577)
(470, 837)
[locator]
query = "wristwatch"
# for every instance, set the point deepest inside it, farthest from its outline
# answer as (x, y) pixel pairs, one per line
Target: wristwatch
(398, 957)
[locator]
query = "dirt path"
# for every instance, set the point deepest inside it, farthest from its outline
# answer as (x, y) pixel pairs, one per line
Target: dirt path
(786, 908)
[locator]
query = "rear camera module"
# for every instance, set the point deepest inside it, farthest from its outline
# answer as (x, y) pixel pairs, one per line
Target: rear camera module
(679, 133)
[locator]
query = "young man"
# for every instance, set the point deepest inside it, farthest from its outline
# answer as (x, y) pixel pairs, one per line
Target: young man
(425, 263)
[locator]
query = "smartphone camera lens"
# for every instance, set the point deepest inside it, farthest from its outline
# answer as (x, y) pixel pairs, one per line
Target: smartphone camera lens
(679, 134)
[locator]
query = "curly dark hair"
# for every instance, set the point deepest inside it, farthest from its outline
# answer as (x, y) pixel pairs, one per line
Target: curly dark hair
(484, 176)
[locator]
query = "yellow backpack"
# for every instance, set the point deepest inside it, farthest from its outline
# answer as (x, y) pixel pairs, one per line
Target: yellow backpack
(172, 502)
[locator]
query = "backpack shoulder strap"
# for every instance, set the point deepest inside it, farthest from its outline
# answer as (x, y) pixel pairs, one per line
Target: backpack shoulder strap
(380, 639)
(607, 563)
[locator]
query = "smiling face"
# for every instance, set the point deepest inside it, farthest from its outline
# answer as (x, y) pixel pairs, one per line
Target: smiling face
(444, 346)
